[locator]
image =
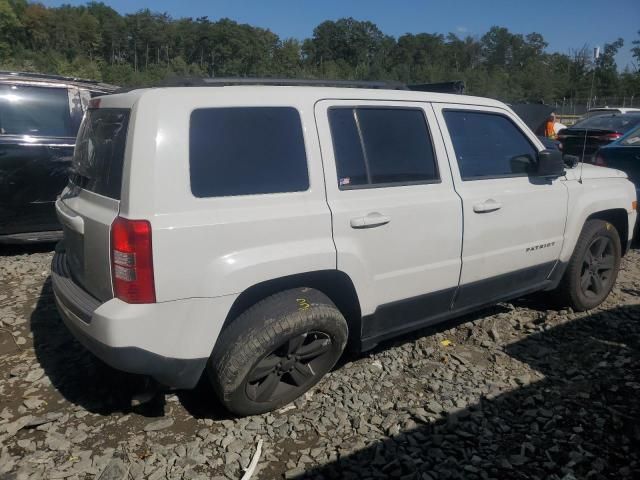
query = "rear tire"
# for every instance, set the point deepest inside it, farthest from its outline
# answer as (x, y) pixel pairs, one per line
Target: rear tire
(276, 350)
(593, 267)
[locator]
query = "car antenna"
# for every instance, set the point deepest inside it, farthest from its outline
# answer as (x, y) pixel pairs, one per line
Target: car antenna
(596, 55)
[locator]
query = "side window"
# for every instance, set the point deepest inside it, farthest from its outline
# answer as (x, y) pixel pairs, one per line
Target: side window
(35, 111)
(489, 145)
(377, 147)
(244, 151)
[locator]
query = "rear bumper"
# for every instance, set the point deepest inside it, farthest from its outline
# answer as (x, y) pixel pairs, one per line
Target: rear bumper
(172, 372)
(169, 341)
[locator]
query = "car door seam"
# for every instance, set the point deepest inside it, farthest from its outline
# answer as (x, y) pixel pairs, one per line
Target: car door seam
(455, 190)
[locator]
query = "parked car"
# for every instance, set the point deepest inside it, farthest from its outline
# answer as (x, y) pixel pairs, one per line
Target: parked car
(594, 112)
(623, 154)
(253, 231)
(585, 137)
(39, 119)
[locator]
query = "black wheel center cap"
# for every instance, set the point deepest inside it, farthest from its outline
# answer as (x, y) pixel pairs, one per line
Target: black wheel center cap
(288, 364)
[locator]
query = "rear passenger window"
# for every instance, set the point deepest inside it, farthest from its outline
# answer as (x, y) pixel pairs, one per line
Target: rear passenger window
(378, 147)
(35, 111)
(489, 145)
(244, 151)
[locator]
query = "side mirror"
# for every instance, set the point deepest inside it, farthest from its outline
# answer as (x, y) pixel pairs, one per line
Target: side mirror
(523, 164)
(550, 164)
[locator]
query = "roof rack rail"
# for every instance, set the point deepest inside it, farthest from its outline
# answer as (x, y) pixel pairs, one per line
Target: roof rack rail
(44, 77)
(456, 86)
(289, 82)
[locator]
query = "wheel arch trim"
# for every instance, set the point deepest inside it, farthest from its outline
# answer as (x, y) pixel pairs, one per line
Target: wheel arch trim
(335, 284)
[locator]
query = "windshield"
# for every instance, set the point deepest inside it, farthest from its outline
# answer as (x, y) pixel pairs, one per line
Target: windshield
(617, 122)
(98, 158)
(35, 111)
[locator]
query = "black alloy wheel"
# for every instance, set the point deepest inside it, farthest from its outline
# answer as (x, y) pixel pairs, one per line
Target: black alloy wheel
(598, 267)
(276, 350)
(592, 269)
(290, 367)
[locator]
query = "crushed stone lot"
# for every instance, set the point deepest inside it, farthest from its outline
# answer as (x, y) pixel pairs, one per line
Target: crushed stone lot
(515, 391)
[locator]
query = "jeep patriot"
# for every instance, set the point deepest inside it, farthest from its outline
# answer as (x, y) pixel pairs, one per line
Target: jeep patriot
(250, 232)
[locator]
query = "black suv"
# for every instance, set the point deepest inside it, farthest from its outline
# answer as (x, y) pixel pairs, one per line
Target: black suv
(39, 119)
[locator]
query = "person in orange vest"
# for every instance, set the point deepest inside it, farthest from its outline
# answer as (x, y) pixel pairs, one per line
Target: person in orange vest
(550, 127)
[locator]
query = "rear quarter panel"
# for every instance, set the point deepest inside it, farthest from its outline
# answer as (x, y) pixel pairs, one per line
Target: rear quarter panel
(208, 247)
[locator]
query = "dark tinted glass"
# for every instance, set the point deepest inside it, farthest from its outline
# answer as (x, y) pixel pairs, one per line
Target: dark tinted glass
(98, 158)
(632, 138)
(622, 122)
(397, 145)
(381, 146)
(489, 145)
(347, 148)
(35, 111)
(243, 151)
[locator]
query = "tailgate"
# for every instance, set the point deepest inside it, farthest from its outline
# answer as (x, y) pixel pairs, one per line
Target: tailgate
(91, 201)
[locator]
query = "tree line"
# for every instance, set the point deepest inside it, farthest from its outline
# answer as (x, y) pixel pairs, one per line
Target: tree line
(143, 48)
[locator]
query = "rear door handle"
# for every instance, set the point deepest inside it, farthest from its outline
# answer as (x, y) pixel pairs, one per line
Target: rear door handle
(487, 206)
(371, 220)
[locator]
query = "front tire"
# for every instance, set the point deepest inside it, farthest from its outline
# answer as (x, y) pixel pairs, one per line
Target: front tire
(593, 268)
(276, 350)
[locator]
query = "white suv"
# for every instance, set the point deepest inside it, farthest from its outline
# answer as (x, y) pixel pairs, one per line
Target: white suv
(253, 231)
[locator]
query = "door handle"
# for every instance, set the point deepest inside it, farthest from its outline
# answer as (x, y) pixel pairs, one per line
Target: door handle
(371, 220)
(487, 206)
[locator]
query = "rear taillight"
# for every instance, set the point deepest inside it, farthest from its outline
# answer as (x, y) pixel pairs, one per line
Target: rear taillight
(610, 137)
(94, 103)
(132, 261)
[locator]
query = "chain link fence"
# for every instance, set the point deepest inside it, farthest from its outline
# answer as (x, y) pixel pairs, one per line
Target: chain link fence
(569, 110)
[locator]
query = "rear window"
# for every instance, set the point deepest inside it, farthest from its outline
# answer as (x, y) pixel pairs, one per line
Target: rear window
(35, 111)
(622, 122)
(245, 151)
(632, 138)
(98, 158)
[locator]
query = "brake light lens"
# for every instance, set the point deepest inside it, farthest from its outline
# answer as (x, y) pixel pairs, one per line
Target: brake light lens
(132, 261)
(94, 103)
(611, 136)
(600, 161)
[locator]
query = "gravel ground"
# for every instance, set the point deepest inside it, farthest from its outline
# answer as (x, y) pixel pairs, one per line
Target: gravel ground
(515, 391)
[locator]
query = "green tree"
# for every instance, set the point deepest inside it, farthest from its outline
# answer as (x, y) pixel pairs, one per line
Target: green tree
(145, 47)
(607, 69)
(635, 52)
(9, 26)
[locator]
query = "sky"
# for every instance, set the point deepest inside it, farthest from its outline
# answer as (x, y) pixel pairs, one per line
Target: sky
(565, 25)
